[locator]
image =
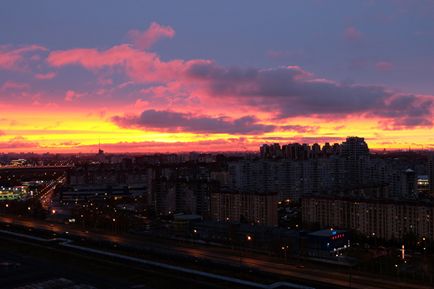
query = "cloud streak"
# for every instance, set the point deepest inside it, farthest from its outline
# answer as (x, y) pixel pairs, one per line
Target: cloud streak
(183, 122)
(19, 143)
(145, 39)
(13, 58)
(294, 92)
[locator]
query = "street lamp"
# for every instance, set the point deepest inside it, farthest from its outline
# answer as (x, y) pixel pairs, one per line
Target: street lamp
(285, 250)
(114, 225)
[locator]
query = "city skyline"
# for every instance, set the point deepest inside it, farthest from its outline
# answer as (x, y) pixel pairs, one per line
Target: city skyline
(141, 78)
(217, 144)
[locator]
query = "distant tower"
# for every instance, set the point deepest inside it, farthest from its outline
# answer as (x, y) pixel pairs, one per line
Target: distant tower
(100, 151)
(100, 155)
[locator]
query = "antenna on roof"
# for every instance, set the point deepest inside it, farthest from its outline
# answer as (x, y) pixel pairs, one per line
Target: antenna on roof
(100, 151)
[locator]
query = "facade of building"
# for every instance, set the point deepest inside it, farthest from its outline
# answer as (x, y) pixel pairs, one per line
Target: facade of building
(244, 207)
(384, 219)
(422, 184)
(291, 179)
(100, 192)
(326, 243)
(431, 174)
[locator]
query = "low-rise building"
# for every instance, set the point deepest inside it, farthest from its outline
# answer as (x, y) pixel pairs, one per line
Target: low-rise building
(327, 243)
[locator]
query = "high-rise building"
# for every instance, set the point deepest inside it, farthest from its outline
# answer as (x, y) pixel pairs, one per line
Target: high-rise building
(336, 149)
(408, 183)
(316, 150)
(380, 218)
(431, 174)
(327, 149)
(355, 147)
(244, 207)
(355, 151)
(271, 151)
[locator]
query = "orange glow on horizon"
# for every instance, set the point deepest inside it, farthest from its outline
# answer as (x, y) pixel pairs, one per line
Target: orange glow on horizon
(69, 131)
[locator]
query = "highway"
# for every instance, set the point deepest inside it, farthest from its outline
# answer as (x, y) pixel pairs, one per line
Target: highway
(310, 274)
(40, 262)
(47, 193)
(11, 167)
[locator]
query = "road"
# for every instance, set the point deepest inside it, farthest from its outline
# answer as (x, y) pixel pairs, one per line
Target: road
(47, 193)
(38, 263)
(225, 256)
(10, 167)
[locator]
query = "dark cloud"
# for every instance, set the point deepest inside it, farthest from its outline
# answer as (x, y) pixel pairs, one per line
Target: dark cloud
(176, 121)
(69, 143)
(407, 111)
(299, 128)
(18, 142)
(293, 92)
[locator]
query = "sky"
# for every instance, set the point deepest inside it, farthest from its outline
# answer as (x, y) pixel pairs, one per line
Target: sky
(172, 76)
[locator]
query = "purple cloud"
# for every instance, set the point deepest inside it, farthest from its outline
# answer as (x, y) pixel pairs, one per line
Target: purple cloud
(176, 121)
(294, 92)
(352, 34)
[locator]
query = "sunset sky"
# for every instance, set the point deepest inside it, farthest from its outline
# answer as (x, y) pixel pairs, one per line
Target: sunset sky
(168, 76)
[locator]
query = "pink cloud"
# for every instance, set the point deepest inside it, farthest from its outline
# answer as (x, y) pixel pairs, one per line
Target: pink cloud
(175, 91)
(145, 39)
(288, 91)
(383, 65)
(71, 95)
(140, 66)
(140, 104)
(12, 85)
(13, 58)
(18, 142)
(45, 76)
(283, 54)
(352, 34)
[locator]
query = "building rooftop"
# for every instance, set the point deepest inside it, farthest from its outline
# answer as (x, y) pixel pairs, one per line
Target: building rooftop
(327, 233)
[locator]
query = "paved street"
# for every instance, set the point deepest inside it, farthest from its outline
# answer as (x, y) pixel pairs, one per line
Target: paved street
(222, 255)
